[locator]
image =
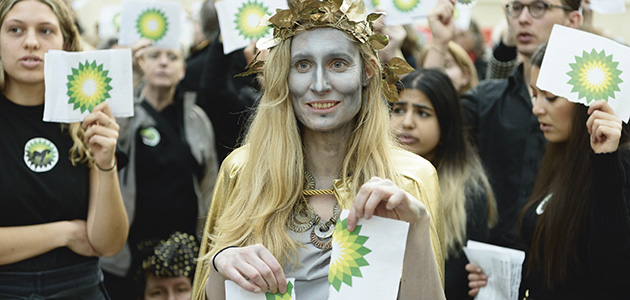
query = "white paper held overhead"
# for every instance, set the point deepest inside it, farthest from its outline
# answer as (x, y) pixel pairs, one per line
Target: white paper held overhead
(584, 68)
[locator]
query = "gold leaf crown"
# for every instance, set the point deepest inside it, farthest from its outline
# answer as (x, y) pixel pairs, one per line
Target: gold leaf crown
(345, 15)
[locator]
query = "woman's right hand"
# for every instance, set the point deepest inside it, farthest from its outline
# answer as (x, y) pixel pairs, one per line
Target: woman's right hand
(476, 279)
(253, 268)
(77, 238)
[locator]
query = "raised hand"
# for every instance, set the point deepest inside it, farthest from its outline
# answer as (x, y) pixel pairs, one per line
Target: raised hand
(604, 127)
(101, 135)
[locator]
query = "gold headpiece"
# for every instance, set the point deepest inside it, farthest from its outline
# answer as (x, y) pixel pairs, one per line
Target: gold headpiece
(345, 15)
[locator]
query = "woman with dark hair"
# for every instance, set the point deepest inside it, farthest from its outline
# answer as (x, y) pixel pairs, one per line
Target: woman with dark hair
(427, 119)
(576, 224)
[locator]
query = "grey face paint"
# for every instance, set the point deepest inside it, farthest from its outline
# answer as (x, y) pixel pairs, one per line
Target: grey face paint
(326, 79)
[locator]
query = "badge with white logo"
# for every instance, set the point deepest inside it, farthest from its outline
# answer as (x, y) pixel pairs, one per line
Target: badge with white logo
(150, 136)
(40, 155)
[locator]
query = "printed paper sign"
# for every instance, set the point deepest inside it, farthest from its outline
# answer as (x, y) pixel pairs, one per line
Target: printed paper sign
(76, 82)
(400, 12)
(158, 21)
(367, 263)
(239, 21)
(584, 68)
(608, 6)
(235, 292)
(109, 21)
(503, 267)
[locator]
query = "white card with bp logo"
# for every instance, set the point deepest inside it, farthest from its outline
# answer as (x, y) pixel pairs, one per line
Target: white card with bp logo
(76, 82)
(158, 21)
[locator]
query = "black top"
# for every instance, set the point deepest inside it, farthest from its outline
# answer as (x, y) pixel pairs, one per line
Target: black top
(604, 247)
(456, 276)
(38, 182)
(510, 143)
(165, 199)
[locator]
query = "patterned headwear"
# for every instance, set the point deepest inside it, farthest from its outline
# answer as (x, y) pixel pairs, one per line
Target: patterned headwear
(174, 257)
(345, 15)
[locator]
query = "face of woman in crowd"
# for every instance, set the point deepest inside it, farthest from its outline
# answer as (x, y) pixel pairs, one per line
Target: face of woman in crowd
(27, 32)
(553, 112)
(163, 67)
(325, 80)
(455, 73)
(415, 123)
(175, 288)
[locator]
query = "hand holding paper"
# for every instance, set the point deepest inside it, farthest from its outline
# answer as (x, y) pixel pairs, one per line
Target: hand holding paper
(604, 127)
(101, 135)
(383, 198)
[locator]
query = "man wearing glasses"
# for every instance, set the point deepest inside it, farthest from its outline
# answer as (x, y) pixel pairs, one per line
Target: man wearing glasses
(499, 113)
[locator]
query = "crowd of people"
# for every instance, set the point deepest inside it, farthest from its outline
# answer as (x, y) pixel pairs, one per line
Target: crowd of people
(220, 177)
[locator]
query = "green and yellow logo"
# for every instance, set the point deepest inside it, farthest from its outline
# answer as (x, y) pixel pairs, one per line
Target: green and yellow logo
(150, 136)
(348, 255)
(40, 155)
(88, 86)
(375, 3)
(116, 20)
(248, 17)
(406, 5)
(595, 76)
(278, 296)
(152, 24)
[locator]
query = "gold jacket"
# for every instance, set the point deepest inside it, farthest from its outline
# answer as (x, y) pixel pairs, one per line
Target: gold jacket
(419, 179)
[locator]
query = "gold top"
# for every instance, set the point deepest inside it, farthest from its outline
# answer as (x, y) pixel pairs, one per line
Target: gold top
(419, 179)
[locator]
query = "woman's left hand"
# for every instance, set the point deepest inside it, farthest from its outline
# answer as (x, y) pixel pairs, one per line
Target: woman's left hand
(381, 197)
(101, 135)
(604, 127)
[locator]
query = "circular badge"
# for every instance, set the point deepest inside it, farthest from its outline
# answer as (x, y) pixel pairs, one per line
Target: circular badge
(40, 155)
(150, 136)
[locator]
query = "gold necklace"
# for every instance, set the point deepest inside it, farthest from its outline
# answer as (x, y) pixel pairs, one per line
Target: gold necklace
(303, 217)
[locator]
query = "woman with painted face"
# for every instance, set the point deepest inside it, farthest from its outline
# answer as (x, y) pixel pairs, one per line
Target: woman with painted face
(427, 120)
(319, 143)
(577, 223)
(61, 205)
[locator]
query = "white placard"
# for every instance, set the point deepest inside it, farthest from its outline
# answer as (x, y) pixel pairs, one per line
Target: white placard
(158, 21)
(584, 68)
(78, 81)
(235, 292)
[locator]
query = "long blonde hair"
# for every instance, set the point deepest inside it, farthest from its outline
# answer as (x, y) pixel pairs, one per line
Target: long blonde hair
(268, 186)
(79, 152)
(463, 61)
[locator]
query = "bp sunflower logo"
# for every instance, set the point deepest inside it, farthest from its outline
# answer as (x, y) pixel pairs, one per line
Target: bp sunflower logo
(152, 24)
(247, 19)
(40, 155)
(348, 255)
(595, 76)
(278, 296)
(375, 3)
(406, 5)
(88, 86)
(150, 136)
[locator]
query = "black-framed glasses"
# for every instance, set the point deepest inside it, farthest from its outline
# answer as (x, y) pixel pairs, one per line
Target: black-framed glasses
(536, 9)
